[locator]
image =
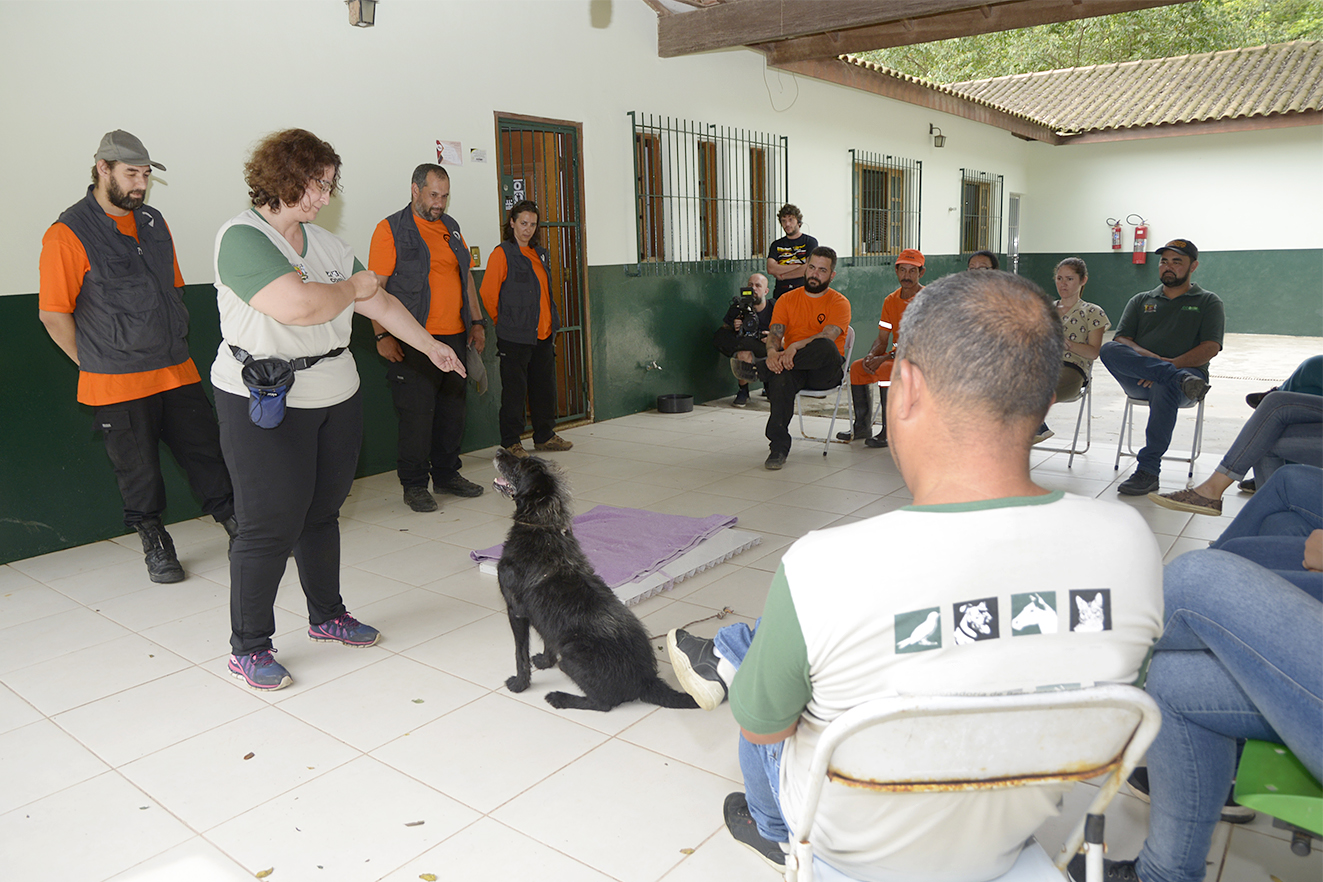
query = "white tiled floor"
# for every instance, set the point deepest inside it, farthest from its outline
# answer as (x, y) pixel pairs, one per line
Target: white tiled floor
(127, 752)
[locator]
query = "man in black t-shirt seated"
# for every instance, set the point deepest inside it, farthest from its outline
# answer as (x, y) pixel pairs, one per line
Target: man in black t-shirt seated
(789, 255)
(742, 330)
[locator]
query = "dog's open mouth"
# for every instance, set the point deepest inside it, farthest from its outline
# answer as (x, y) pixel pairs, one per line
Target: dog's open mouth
(502, 486)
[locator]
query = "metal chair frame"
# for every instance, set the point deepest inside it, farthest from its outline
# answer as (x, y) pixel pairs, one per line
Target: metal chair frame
(823, 393)
(1085, 418)
(1126, 438)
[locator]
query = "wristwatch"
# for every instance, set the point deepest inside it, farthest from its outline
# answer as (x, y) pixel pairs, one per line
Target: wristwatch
(382, 336)
(476, 322)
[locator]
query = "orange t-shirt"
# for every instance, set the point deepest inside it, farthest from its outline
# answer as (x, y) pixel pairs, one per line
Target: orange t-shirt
(63, 265)
(892, 310)
(443, 316)
(494, 277)
(804, 316)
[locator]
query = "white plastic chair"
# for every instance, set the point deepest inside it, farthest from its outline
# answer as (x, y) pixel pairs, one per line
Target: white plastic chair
(823, 393)
(959, 743)
(1128, 427)
(1085, 419)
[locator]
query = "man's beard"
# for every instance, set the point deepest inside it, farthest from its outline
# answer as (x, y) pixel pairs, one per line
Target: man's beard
(427, 213)
(813, 286)
(1176, 281)
(120, 199)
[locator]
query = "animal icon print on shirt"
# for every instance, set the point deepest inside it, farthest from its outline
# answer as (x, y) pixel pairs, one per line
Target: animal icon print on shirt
(1091, 610)
(918, 631)
(1034, 613)
(975, 620)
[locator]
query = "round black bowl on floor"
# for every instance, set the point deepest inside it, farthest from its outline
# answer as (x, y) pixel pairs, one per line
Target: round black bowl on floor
(675, 403)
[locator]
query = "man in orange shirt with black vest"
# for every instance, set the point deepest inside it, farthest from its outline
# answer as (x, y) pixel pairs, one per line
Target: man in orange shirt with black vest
(425, 260)
(110, 299)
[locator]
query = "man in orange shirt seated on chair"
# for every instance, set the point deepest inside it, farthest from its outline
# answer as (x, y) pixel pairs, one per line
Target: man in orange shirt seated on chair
(425, 260)
(805, 348)
(110, 299)
(875, 367)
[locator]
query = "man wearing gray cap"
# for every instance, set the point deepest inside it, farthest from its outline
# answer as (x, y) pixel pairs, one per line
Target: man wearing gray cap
(110, 299)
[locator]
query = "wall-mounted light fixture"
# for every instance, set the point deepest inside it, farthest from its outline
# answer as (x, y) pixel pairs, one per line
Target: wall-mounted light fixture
(939, 140)
(362, 13)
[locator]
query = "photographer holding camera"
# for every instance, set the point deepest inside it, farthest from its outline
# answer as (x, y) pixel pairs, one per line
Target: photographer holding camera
(745, 327)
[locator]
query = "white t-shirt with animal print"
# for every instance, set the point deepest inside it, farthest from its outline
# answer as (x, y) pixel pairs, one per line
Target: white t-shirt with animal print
(977, 598)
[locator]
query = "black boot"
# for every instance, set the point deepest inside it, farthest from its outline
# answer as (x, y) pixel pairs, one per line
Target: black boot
(881, 439)
(231, 525)
(159, 548)
(863, 415)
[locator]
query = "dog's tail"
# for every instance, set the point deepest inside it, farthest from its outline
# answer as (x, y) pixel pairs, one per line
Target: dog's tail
(659, 692)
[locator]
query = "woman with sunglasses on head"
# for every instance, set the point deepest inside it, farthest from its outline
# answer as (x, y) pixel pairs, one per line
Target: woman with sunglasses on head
(516, 290)
(291, 419)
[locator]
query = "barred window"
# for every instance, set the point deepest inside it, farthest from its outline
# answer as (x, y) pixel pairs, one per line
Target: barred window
(980, 212)
(705, 196)
(887, 193)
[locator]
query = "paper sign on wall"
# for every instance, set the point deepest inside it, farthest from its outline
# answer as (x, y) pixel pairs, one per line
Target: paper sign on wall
(449, 153)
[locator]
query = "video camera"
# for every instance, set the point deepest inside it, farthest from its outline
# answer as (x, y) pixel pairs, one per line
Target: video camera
(748, 315)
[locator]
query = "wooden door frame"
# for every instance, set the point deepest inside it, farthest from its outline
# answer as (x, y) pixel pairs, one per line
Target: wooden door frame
(499, 115)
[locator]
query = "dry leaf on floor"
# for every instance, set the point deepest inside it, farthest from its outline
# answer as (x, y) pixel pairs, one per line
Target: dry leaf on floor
(249, 755)
(264, 873)
(414, 823)
(417, 701)
(427, 877)
(686, 851)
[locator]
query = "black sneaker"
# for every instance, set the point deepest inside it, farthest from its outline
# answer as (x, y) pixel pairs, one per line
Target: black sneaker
(457, 485)
(418, 499)
(775, 460)
(1232, 812)
(1194, 387)
(695, 662)
(741, 397)
(1141, 483)
(159, 550)
(1113, 871)
(740, 824)
(1043, 434)
(877, 441)
(1254, 399)
(1249, 485)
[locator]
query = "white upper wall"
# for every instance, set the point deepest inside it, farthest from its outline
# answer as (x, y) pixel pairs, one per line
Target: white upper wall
(1232, 192)
(201, 81)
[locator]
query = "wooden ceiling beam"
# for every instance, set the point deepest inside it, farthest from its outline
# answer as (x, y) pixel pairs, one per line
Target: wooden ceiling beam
(795, 30)
(844, 74)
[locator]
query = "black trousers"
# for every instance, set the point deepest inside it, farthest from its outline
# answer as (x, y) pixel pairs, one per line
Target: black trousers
(817, 366)
(528, 372)
(183, 419)
(729, 341)
(430, 405)
(289, 484)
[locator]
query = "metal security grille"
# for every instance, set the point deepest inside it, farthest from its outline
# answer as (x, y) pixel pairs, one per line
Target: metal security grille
(705, 196)
(886, 194)
(980, 212)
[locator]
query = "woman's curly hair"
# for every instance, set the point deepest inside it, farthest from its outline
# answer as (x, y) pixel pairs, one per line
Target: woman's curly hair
(281, 166)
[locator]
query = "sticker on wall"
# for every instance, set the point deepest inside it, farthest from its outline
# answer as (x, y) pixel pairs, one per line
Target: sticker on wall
(1091, 610)
(449, 153)
(975, 620)
(477, 157)
(1034, 613)
(918, 631)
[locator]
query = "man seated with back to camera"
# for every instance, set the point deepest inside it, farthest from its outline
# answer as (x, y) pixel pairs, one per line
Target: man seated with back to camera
(744, 329)
(966, 603)
(805, 349)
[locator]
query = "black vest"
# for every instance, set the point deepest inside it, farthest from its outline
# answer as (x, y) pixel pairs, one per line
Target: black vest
(520, 304)
(413, 264)
(128, 316)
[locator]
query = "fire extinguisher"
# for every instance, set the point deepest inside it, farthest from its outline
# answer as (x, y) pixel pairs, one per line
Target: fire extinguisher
(1116, 233)
(1141, 239)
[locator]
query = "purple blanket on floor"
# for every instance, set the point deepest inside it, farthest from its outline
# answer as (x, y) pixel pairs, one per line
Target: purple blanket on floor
(624, 544)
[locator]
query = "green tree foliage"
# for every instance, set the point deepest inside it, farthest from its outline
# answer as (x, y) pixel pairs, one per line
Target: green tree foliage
(1181, 29)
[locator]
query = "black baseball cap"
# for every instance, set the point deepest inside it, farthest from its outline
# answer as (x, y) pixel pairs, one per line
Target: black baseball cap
(1180, 246)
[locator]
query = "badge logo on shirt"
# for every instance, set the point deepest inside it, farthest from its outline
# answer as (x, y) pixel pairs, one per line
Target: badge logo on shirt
(975, 620)
(1034, 613)
(1091, 610)
(918, 631)
(822, 318)
(335, 275)
(302, 271)
(1150, 307)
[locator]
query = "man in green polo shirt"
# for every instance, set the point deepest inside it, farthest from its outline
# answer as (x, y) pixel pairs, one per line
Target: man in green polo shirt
(1161, 352)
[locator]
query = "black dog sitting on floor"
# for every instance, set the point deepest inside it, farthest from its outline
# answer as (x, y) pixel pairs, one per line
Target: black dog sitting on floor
(548, 583)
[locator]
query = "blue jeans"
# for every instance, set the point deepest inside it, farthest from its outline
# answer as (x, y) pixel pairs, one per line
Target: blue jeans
(1271, 529)
(1238, 658)
(1164, 397)
(760, 763)
(1286, 426)
(1308, 377)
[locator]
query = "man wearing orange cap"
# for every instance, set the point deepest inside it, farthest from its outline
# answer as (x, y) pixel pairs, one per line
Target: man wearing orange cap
(875, 367)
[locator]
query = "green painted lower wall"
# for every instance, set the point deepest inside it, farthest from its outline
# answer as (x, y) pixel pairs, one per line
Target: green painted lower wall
(57, 490)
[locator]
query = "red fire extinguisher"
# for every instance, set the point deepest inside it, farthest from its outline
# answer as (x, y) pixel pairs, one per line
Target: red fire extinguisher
(1116, 233)
(1141, 240)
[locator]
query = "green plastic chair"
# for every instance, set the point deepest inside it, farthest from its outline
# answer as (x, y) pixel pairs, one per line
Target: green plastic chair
(1271, 780)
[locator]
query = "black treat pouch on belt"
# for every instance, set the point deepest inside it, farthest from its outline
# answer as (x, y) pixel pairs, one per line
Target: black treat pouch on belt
(269, 381)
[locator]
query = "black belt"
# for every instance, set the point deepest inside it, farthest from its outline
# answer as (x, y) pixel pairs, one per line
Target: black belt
(301, 363)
